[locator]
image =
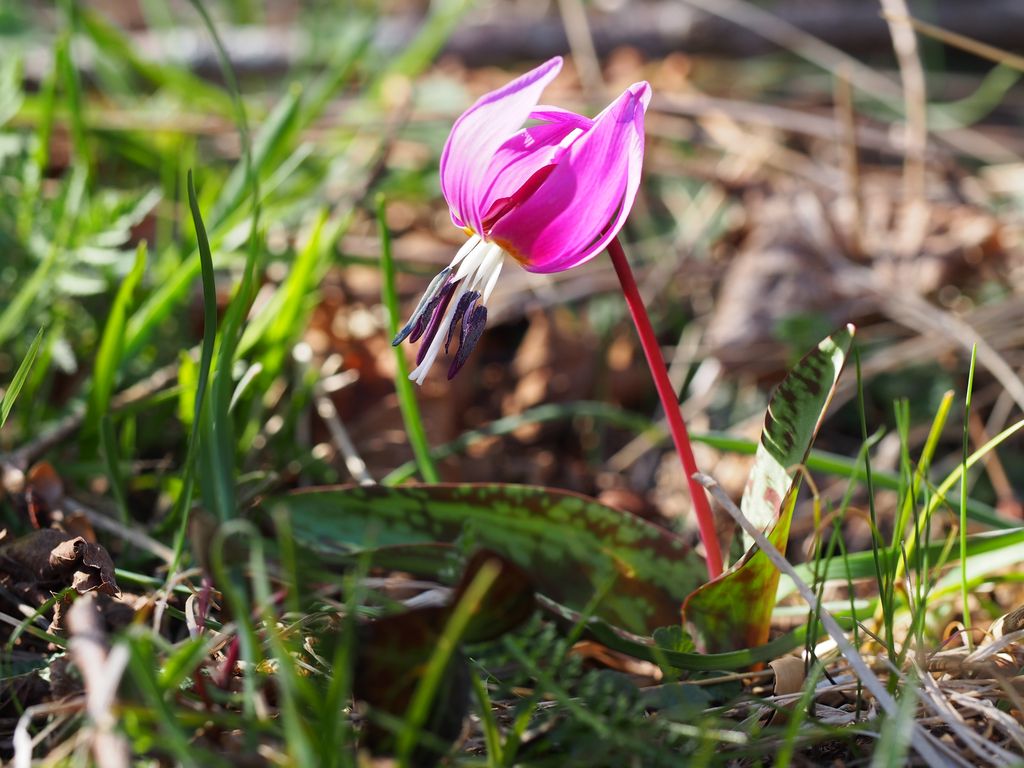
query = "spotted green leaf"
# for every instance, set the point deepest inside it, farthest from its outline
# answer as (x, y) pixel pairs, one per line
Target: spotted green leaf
(572, 547)
(734, 611)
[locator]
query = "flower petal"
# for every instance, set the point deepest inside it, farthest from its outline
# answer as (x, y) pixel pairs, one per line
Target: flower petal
(584, 202)
(518, 167)
(549, 114)
(523, 162)
(479, 133)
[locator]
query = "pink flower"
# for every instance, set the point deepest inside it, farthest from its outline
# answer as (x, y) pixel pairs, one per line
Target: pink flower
(550, 196)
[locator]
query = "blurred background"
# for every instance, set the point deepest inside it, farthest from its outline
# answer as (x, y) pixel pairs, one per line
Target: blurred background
(808, 164)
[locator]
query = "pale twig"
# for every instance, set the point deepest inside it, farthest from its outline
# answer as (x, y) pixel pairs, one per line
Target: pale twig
(23, 741)
(915, 100)
(22, 457)
(773, 116)
(326, 410)
(581, 43)
(164, 593)
(997, 475)
(127, 533)
(935, 699)
(929, 748)
(101, 669)
(846, 125)
(353, 461)
(917, 313)
(996, 718)
(969, 44)
(789, 36)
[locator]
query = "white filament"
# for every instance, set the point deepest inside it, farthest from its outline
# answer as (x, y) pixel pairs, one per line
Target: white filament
(493, 279)
(479, 264)
(467, 246)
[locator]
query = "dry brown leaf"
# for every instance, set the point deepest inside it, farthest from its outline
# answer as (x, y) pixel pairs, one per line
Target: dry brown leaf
(789, 674)
(1007, 623)
(45, 483)
(43, 492)
(53, 558)
(602, 656)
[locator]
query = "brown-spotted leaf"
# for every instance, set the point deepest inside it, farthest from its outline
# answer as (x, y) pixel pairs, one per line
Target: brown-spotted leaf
(393, 652)
(508, 602)
(571, 546)
(734, 610)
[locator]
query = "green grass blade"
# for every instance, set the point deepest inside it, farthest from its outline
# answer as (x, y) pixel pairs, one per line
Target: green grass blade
(269, 144)
(447, 643)
(404, 388)
(860, 565)
(488, 722)
(114, 44)
(209, 301)
(112, 460)
(111, 348)
(881, 555)
(184, 661)
(69, 77)
(143, 667)
(939, 496)
(11, 393)
(964, 592)
(923, 464)
(283, 319)
(11, 94)
(41, 279)
(817, 461)
(894, 741)
(291, 687)
(418, 54)
(184, 500)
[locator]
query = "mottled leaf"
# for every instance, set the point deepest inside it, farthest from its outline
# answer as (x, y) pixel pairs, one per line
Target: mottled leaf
(572, 547)
(734, 611)
(392, 654)
(509, 601)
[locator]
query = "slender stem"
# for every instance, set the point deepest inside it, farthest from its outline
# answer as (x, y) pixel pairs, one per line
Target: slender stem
(964, 592)
(701, 507)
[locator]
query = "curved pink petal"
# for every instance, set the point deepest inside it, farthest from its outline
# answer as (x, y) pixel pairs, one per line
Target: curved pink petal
(479, 133)
(585, 200)
(517, 161)
(550, 114)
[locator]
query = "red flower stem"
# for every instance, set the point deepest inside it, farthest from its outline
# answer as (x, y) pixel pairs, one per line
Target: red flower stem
(701, 507)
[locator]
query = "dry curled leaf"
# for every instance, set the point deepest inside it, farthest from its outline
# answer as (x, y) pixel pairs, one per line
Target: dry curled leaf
(789, 674)
(54, 558)
(45, 483)
(43, 493)
(1010, 622)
